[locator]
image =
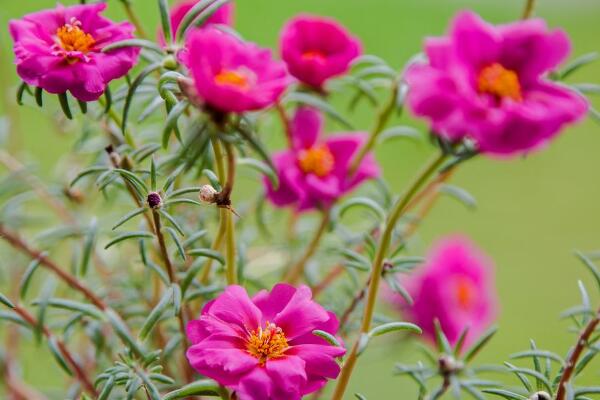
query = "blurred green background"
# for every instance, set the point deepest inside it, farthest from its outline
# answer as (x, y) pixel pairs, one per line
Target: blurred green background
(532, 212)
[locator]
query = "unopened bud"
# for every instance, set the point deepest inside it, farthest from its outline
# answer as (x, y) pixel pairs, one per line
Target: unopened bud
(540, 396)
(154, 200)
(208, 194)
(170, 63)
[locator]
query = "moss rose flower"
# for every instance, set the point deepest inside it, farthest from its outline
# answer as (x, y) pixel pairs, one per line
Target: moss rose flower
(231, 75)
(314, 172)
(490, 83)
(60, 50)
(455, 287)
(263, 347)
(316, 49)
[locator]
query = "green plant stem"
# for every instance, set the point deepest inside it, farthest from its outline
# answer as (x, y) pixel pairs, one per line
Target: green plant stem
(382, 118)
(528, 11)
(216, 245)
(230, 256)
(173, 279)
(294, 274)
(116, 118)
(133, 18)
(571, 363)
(377, 268)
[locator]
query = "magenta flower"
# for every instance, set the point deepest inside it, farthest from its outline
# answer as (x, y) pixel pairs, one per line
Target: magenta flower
(314, 172)
(264, 348)
(223, 16)
(60, 50)
(316, 49)
(490, 84)
(456, 287)
(231, 75)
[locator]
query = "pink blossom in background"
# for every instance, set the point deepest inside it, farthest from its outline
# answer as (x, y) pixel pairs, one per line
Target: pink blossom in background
(313, 173)
(60, 50)
(223, 16)
(454, 286)
(316, 49)
(490, 83)
(231, 75)
(263, 347)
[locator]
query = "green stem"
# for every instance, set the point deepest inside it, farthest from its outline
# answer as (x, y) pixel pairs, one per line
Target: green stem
(528, 11)
(173, 279)
(216, 245)
(230, 257)
(382, 118)
(377, 268)
(294, 274)
(133, 18)
(112, 114)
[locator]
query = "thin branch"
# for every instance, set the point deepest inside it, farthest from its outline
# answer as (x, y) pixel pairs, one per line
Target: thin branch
(528, 11)
(18, 243)
(582, 343)
(294, 274)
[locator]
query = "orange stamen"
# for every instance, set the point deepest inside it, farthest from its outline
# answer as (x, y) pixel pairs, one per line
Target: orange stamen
(317, 160)
(499, 82)
(267, 343)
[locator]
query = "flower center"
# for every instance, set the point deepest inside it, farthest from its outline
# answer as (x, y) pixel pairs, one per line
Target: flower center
(465, 292)
(499, 82)
(315, 55)
(317, 160)
(239, 78)
(267, 343)
(73, 38)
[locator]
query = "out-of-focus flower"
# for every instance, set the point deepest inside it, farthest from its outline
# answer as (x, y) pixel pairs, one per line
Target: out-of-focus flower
(313, 173)
(231, 75)
(316, 49)
(490, 83)
(223, 16)
(454, 286)
(264, 348)
(60, 50)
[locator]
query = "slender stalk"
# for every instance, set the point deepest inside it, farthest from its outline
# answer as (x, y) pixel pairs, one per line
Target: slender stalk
(173, 279)
(285, 121)
(230, 256)
(382, 118)
(294, 274)
(582, 342)
(79, 372)
(216, 245)
(163, 247)
(18, 243)
(116, 118)
(378, 264)
(528, 11)
(133, 18)
(355, 302)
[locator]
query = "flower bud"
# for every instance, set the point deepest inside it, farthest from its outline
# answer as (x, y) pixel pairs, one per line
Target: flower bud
(207, 194)
(154, 200)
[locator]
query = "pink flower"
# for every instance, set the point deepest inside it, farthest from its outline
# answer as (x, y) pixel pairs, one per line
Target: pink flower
(456, 287)
(223, 16)
(231, 75)
(263, 348)
(490, 84)
(60, 50)
(314, 172)
(317, 49)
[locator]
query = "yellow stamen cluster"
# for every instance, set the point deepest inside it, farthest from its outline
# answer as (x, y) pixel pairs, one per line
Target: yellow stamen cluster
(73, 38)
(267, 343)
(499, 82)
(317, 160)
(465, 292)
(228, 77)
